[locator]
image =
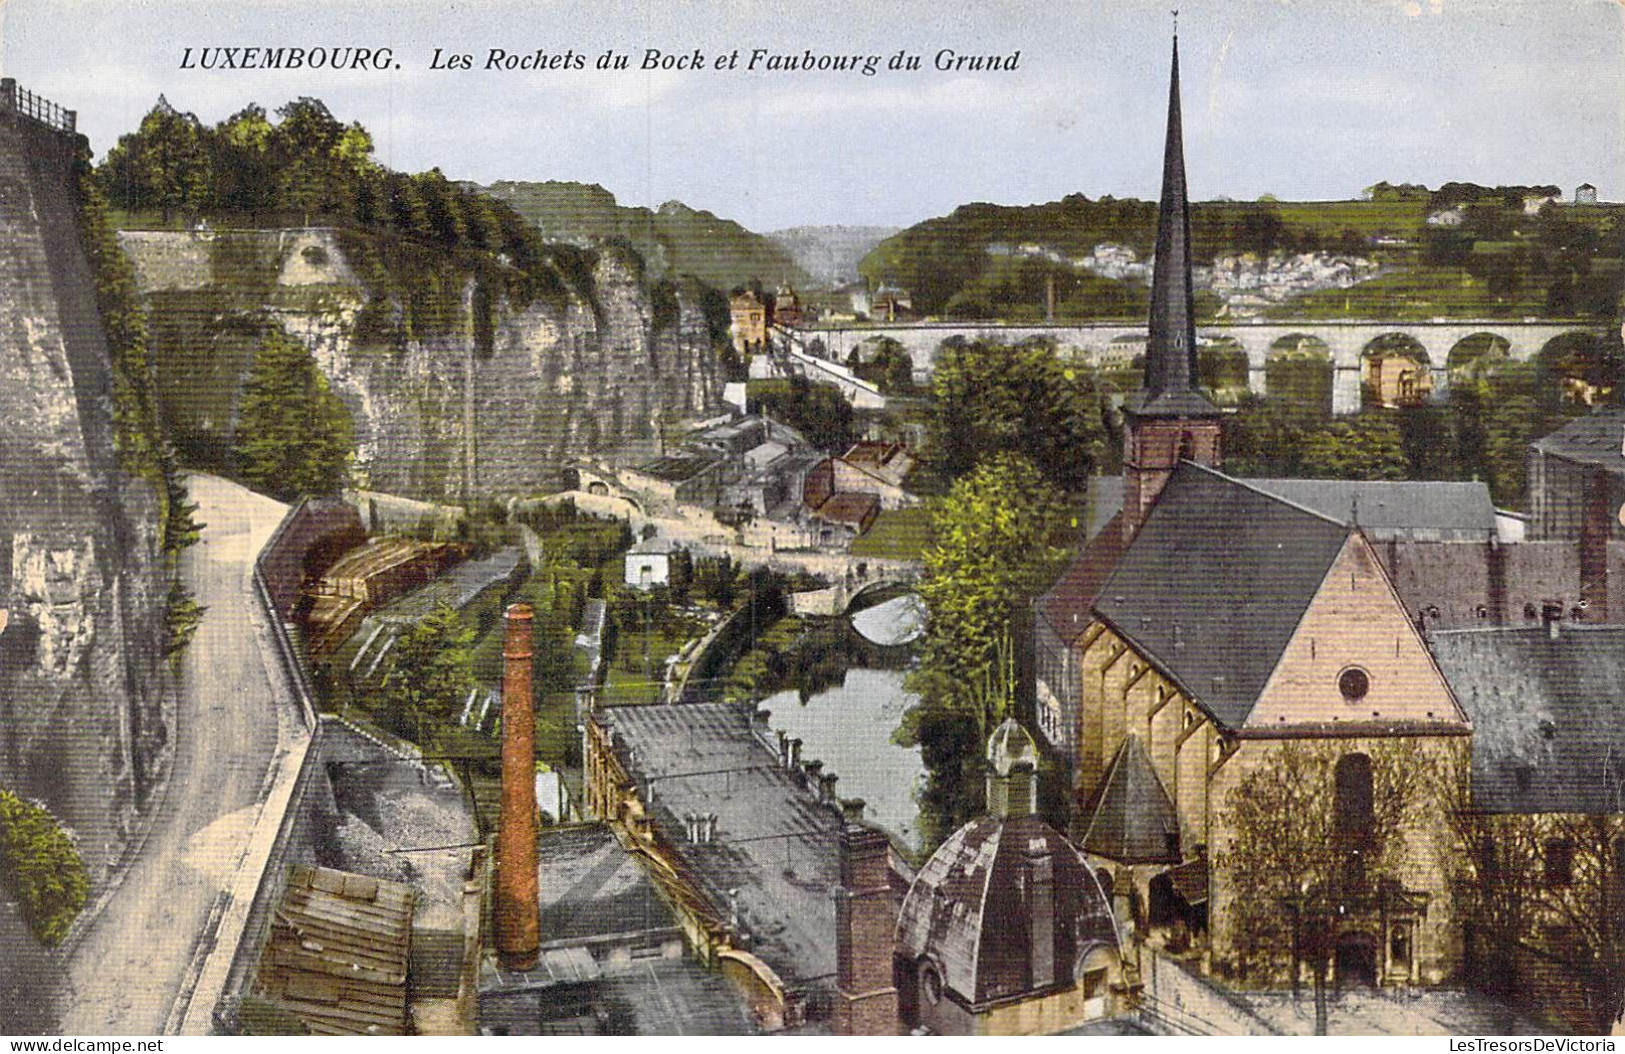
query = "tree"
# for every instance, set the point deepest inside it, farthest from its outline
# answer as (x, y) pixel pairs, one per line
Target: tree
(1543, 895)
(818, 411)
(1287, 841)
(320, 160)
(293, 434)
(431, 674)
(245, 168)
(990, 398)
(163, 165)
(994, 542)
(1365, 447)
(890, 369)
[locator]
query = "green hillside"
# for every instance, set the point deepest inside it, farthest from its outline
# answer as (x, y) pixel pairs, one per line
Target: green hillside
(1484, 255)
(673, 239)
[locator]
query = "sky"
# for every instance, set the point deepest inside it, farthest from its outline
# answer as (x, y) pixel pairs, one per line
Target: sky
(1303, 99)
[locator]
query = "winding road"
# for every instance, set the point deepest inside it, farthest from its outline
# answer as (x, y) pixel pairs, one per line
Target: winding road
(143, 951)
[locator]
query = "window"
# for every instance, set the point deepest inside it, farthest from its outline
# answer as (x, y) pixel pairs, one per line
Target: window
(1353, 805)
(1559, 863)
(1354, 683)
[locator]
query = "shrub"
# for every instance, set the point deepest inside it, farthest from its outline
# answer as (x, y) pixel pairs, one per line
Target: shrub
(41, 868)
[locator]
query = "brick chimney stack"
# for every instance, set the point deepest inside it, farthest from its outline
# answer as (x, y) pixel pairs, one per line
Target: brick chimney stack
(865, 936)
(518, 925)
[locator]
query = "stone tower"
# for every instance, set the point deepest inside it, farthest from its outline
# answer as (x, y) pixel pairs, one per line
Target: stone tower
(1169, 419)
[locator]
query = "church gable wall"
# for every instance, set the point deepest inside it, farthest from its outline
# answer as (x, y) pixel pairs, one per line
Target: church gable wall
(1354, 658)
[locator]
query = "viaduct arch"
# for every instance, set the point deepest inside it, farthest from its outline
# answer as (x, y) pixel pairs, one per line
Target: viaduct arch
(1344, 341)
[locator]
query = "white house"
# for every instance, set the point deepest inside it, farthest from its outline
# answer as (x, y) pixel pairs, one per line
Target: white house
(648, 563)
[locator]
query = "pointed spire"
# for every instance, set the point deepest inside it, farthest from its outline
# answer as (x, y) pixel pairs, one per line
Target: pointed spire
(1170, 354)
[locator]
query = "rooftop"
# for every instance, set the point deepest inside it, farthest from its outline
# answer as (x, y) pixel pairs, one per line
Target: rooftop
(591, 887)
(1418, 511)
(963, 911)
(1546, 730)
(849, 507)
(338, 952)
(655, 997)
(1129, 817)
(1214, 585)
(775, 845)
(1595, 439)
(676, 468)
(1068, 607)
(1387, 509)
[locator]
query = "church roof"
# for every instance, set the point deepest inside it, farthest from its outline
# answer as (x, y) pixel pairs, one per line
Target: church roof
(1129, 817)
(967, 912)
(1401, 510)
(1547, 735)
(1214, 585)
(1170, 354)
(1408, 510)
(1068, 607)
(1595, 439)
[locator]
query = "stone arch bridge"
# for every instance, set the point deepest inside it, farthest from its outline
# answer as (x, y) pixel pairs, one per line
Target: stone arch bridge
(1346, 342)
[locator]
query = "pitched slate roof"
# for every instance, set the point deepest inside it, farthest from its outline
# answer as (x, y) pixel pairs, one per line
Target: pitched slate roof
(1214, 585)
(1596, 439)
(1069, 605)
(1388, 509)
(1417, 511)
(1547, 728)
(1129, 817)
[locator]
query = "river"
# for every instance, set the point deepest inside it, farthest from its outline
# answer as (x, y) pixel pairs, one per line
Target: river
(849, 729)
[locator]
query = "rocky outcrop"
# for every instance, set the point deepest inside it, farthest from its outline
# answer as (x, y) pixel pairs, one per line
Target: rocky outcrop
(1246, 282)
(85, 706)
(438, 416)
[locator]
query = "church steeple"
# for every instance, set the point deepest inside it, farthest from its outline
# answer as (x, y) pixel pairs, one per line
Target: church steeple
(1169, 419)
(1170, 352)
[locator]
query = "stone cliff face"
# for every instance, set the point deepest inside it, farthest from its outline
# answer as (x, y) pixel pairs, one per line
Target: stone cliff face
(438, 416)
(85, 703)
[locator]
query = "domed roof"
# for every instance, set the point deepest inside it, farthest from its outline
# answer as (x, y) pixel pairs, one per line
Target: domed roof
(972, 909)
(1009, 746)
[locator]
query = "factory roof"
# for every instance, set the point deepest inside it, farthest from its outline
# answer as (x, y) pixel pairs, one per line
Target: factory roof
(774, 857)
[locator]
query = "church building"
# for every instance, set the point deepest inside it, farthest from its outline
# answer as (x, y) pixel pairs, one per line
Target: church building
(1264, 750)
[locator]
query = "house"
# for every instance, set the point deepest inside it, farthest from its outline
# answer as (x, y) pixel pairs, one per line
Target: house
(750, 315)
(787, 309)
(892, 304)
(613, 960)
(1396, 379)
(1577, 491)
(1545, 832)
(1585, 194)
(1007, 929)
(648, 563)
